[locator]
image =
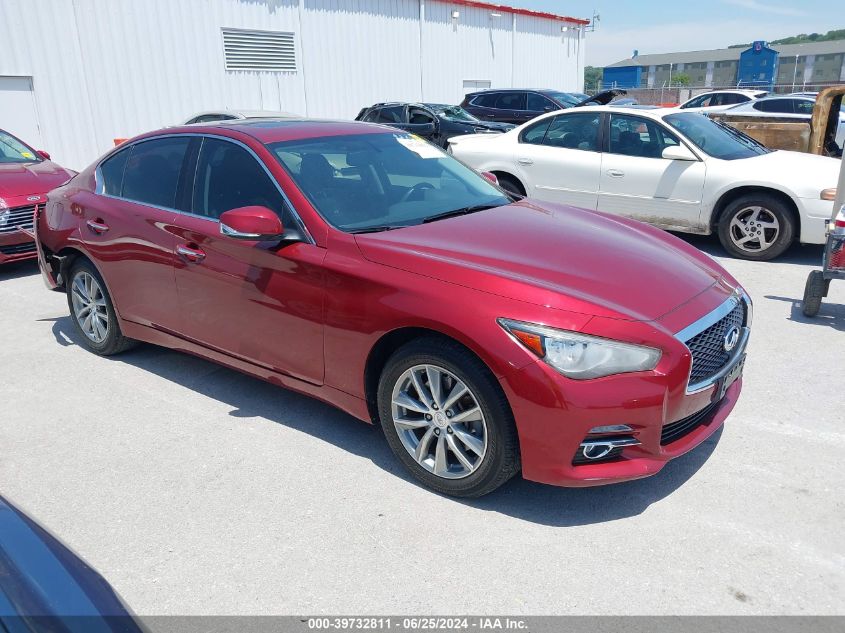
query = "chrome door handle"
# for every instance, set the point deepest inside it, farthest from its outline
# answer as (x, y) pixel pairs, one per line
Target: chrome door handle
(615, 173)
(97, 226)
(194, 255)
(525, 161)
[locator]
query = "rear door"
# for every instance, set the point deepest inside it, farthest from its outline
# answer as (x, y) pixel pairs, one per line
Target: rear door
(510, 108)
(558, 159)
(258, 301)
(637, 182)
(127, 227)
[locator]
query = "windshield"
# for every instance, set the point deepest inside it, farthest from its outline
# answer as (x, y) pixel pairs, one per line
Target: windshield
(13, 151)
(452, 113)
(715, 139)
(374, 182)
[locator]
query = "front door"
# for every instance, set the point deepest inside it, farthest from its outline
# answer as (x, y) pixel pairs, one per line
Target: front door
(258, 301)
(637, 182)
(558, 159)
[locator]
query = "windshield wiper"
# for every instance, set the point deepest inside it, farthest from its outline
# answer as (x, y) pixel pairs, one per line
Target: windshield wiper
(374, 229)
(462, 211)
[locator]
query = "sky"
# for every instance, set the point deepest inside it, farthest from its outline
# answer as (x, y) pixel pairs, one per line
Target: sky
(666, 26)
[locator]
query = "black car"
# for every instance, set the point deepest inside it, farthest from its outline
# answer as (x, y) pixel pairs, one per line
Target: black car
(433, 121)
(519, 106)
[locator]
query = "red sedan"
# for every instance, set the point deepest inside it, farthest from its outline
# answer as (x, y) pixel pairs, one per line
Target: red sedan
(26, 175)
(369, 269)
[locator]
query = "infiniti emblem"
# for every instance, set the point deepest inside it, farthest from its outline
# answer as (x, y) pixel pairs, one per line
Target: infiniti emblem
(731, 338)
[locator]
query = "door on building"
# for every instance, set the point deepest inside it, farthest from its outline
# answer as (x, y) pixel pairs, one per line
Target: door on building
(18, 115)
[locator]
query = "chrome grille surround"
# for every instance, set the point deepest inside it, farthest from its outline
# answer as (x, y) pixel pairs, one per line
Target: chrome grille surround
(17, 218)
(703, 338)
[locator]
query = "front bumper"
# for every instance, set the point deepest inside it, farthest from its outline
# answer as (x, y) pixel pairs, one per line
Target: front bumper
(16, 246)
(555, 415)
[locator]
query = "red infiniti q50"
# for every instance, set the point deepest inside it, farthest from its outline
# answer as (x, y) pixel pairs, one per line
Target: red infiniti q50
(371, 270)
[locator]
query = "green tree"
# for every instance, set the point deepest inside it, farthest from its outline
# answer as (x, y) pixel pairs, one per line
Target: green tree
(681, 79)
(592, 78)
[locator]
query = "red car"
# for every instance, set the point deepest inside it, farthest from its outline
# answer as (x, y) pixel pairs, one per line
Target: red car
(26, 175)
(369, 269)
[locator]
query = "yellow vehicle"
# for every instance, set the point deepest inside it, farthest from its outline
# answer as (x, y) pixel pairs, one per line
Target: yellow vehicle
(816, 136)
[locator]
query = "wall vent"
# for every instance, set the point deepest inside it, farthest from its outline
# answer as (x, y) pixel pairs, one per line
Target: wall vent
(271, 51)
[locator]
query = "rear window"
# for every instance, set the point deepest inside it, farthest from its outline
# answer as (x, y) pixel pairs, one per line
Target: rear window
(110, 178)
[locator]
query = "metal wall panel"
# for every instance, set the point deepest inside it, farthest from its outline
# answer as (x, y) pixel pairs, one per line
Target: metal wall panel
(106, 69)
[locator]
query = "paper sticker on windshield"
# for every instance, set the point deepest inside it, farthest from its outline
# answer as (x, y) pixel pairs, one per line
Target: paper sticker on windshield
(422, 148)
(28, 155)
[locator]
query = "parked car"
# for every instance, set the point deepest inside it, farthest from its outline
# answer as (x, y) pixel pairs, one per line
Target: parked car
(784, 107)
(519, 106)
(335, 258)
(435, 122)
(44, 586)
(677, 170)
(230, 115)
(721, 99)
(26, 175)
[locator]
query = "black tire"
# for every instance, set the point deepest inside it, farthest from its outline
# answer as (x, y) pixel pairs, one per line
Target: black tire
(511, 185)
(113, 342)
(772, 208)
(501, 459)
(814, 290)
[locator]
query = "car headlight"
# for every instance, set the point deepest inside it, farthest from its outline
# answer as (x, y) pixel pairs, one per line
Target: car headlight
(580, 356)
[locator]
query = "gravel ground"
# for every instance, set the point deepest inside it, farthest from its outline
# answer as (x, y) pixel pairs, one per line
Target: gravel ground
(196, 490)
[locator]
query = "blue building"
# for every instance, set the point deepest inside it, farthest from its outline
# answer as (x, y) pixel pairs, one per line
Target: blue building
(792, 66)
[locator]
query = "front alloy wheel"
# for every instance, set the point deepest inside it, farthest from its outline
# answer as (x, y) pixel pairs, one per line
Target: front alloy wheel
(757, 226)
(439, 421)
(754, 229)
(447, 419)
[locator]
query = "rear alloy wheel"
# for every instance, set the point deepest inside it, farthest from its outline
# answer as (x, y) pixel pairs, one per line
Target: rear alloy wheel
(758, 227)
(446, 419)
(92, 311)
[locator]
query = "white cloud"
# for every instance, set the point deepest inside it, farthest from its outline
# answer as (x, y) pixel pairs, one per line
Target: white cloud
(764, 7)
(609, 44)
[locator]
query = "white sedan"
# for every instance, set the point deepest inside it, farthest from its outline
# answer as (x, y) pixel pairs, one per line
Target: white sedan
(720, 100)
(677, 170)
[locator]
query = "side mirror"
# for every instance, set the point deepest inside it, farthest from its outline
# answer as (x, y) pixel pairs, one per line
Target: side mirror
(42, 154)
(251, 223)
(679, 152)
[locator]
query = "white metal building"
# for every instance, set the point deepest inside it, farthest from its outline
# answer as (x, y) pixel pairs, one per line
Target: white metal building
(76, 74)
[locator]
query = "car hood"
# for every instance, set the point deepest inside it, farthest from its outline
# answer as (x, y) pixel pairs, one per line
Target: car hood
(469, 126)
(554, 256)
(804, 175)
(23, 179)
(602, 98)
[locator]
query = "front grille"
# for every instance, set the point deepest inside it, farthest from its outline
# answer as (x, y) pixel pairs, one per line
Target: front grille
(17, 218)
(708, 347)
(18, 249)
(676, 430)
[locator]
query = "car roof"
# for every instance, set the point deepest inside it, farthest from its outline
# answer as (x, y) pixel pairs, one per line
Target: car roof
(276, 130)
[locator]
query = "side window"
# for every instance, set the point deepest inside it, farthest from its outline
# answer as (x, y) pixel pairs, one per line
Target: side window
(111, 172)
(511, 101)
(209, 118)
(634, 136)
(536, 133)
(392, 114)
(537, 103)
(372, 116)
(418, 116)
(698, 102)
(486, 100)
(229, 177)
(803, 107)
(782, 106)
(574, 131)
(152, 171)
